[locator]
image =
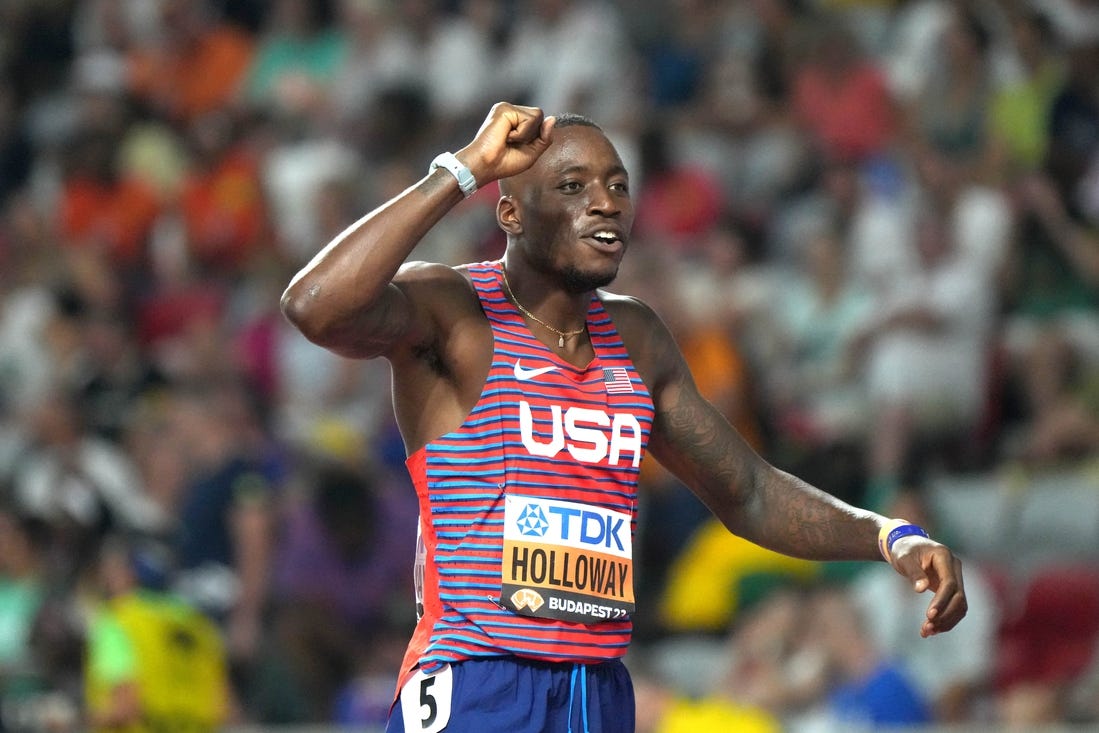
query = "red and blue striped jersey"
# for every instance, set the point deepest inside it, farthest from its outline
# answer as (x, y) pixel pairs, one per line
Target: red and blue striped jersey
(538, 484)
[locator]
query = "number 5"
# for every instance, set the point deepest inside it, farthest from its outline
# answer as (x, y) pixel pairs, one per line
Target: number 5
(426, 698)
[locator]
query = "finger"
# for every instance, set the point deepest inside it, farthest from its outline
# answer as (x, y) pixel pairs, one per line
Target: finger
(945, 618)
(949, 604)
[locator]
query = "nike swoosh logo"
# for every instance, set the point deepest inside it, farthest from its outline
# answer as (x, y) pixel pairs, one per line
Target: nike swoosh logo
(524, 375)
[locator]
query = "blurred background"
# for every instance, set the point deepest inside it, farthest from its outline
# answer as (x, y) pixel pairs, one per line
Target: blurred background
(873, 225)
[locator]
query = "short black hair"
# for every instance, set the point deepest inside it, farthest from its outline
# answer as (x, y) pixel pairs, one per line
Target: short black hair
(571, 119)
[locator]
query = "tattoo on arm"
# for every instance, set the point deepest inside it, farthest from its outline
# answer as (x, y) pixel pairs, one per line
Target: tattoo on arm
(705, 451)
(751, 497)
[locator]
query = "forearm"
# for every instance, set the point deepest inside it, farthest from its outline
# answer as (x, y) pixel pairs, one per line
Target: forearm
(333, 295)
(787, 515)
(752, 498)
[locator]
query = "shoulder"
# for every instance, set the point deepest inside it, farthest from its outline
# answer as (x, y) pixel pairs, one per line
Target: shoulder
(430, 284)
(647, 338)
(417, 271)
(637, 323)
(627, 308)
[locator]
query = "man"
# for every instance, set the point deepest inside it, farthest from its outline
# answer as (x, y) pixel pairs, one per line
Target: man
(153, 661)
(526, 397)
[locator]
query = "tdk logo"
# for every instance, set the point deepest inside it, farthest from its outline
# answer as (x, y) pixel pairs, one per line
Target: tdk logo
(552, 523)
(587, 527)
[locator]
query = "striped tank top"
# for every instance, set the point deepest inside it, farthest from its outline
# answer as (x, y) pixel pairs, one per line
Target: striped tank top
(527, 511)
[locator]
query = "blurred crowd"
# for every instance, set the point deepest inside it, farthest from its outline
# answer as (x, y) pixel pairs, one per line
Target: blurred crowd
(873, 226)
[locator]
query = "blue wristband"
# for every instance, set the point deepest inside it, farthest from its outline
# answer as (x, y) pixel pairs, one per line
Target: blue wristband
(892, 531)
(905, 530)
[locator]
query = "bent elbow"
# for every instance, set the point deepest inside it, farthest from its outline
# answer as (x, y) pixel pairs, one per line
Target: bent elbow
(303, 313)
(293, 310)
(321, 324)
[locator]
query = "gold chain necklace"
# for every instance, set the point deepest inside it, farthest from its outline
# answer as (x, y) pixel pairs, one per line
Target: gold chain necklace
(561, 335)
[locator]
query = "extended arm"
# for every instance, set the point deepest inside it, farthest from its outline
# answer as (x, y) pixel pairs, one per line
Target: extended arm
(770, 507)
(751, 497)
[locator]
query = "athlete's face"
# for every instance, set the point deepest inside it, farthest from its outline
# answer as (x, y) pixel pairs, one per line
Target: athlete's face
(573, 209)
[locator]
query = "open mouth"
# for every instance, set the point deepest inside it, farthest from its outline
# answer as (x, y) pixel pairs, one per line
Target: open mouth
(607, 239)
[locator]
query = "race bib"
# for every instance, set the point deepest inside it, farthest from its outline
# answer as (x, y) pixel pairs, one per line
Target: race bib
(425, 701)
(566, 560)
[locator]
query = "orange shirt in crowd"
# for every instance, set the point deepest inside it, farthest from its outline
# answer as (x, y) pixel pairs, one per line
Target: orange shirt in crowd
(851, 117)
(118, 216)
(223, 210)
(189, 82)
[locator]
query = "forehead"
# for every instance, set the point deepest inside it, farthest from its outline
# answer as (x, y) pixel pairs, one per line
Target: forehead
(579, 147)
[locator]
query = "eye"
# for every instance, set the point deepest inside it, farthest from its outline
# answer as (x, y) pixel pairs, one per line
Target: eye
(621, 186)
(570, 186)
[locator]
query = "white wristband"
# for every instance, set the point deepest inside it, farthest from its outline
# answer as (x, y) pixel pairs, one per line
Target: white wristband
(464, 175)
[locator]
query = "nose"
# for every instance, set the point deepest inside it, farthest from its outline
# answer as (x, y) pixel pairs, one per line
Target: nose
(605, 202)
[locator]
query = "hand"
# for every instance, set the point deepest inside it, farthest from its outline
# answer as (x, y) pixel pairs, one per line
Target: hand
(510, 139)
(930, 565)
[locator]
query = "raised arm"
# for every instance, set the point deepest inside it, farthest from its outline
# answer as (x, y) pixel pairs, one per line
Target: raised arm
(346, 299)
(768, 506)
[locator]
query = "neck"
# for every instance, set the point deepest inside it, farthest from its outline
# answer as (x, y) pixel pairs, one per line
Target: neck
(567, 322)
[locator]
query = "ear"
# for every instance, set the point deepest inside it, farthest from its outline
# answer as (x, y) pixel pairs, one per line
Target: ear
(508, 216)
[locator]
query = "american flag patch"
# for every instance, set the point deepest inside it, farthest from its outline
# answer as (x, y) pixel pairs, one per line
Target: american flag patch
(617, 380)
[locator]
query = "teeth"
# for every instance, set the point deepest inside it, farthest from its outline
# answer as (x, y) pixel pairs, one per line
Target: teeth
(606, 235)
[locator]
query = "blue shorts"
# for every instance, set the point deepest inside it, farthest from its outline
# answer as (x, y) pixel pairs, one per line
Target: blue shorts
(518, 696)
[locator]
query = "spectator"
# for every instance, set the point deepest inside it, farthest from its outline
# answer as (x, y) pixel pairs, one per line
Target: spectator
(295, 59)
(925, 351)
(718, 575)
(867, 689)
(342, 556)
(572, 55)
(27, 310)
(1074, 120)
(949, 116)
(771, 665)
(23, 588)
(222, 201)
(378, 59)
(225, 521)
(100, 208)
(816, 401)
(152, 660)
(678, 204)
(81, 485)
(662, 710)
(16, 153)
(115, 374)
(1052, 281)
(1059, 424)
(194, 67)
(1020, 111)
(841, 101)
(452, 58)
